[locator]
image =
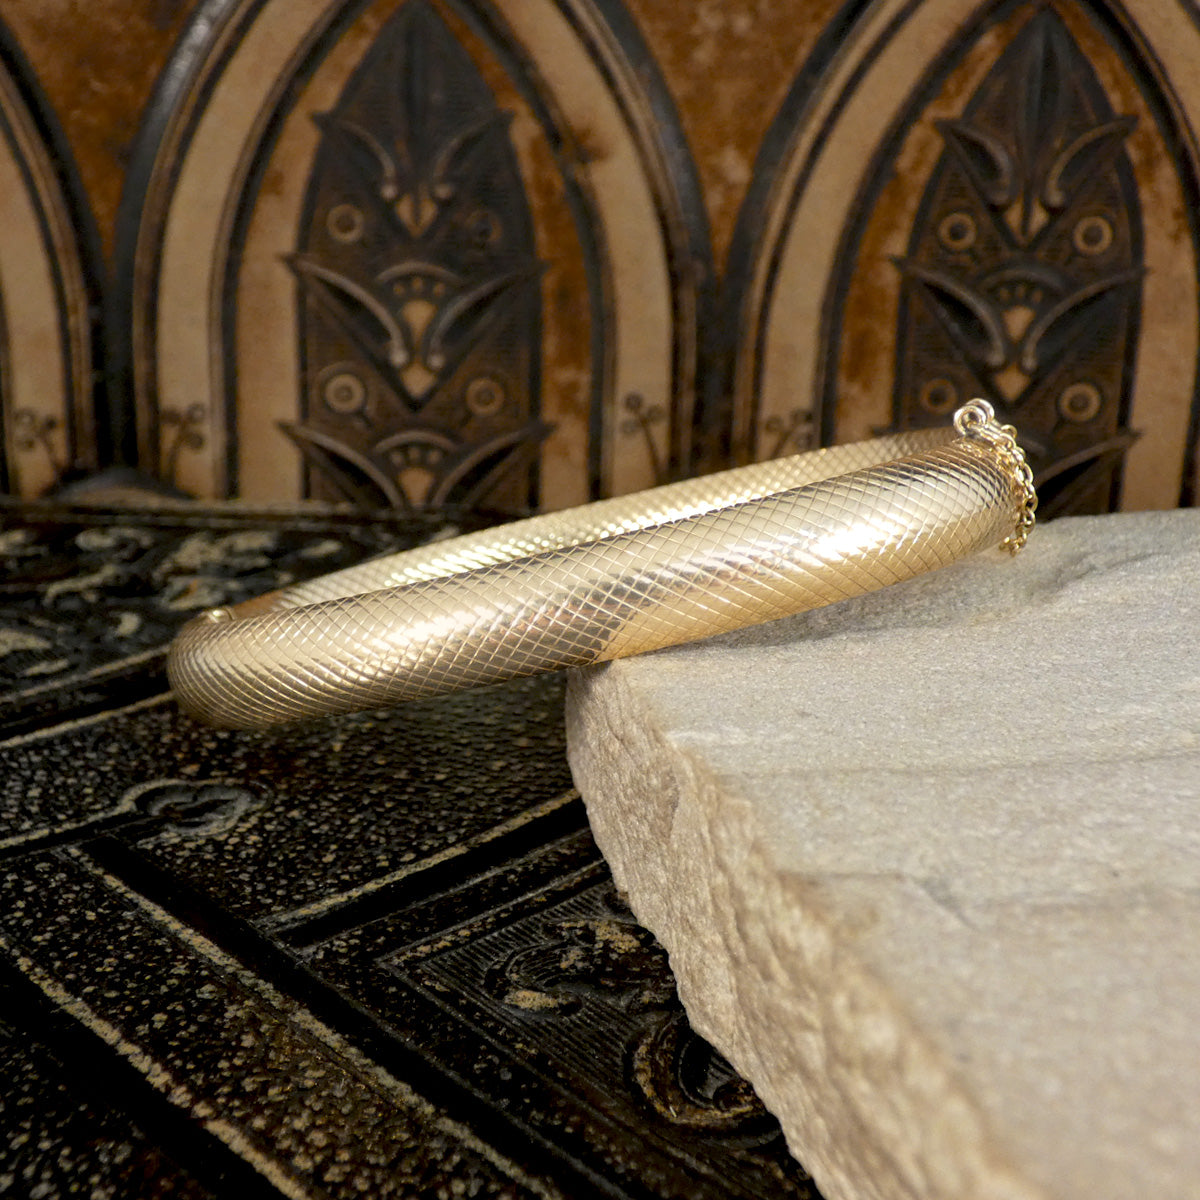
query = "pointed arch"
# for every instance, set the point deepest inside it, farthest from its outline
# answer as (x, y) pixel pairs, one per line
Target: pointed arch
(816, 293)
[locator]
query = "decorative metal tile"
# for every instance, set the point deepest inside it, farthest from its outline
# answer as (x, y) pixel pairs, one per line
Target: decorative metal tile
(366, 957)
(538, 988)
(1000, 201)
(420, 318)
(322, 961)
(1024, 271)
(89, 597)
(273, 1091)
(285, 827)
(446, 250)
(56, 1139)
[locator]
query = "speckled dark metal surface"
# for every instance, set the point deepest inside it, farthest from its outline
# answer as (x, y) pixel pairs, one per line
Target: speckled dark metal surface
(60, 1139)
(377, 956)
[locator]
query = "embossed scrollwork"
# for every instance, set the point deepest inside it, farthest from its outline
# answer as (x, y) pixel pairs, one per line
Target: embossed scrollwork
(612, 962)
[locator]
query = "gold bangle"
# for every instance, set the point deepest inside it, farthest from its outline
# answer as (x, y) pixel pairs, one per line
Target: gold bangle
(611, 579)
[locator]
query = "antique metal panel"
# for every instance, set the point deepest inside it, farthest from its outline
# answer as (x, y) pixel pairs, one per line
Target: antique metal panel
(420, 316)
(372, 956)
(91, 597)
(58, 1133)
(48, 297)
(998, 200)
(580, 1030)
(1022, 280)
(254, 1073)
(430, 256)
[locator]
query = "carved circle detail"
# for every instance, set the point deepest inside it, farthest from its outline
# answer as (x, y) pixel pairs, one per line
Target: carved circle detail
(939, 396)
(1092, 235)
(344, 392)
(484, 229)
(1080, 401)
(957, 231)
(345, 223)
(485, 396)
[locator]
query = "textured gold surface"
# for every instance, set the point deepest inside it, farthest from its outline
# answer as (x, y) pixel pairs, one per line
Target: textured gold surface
(607, 518)
(610, 580)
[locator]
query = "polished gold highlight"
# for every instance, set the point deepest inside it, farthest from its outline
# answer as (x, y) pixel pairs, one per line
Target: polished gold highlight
(610, 579)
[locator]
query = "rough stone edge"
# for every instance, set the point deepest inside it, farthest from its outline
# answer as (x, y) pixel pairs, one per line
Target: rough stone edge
(880, 1114)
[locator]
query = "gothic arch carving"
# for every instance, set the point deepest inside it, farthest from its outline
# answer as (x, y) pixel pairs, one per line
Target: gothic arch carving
(893, 213)
(319, 303)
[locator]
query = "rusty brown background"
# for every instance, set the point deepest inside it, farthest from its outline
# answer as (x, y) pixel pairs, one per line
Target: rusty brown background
(98, 64)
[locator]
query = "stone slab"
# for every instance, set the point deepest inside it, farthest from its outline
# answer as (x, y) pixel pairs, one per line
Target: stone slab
(927, 864)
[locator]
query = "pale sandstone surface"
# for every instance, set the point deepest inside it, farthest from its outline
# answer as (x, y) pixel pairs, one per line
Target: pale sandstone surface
(927, 864)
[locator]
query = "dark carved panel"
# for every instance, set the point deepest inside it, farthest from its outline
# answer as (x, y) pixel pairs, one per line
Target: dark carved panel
(366, 957)
(412, 255)
(1022, 277)
(578, 1034)
(89, 596)
(419, 302)
(54, 1135)
(597, 989)
(995, 199)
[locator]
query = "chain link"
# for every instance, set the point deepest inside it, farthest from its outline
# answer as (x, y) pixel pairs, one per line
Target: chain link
(977, 420)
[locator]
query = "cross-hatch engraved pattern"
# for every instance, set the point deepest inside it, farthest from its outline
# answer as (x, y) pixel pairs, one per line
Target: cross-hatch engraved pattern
(419, 306)
(1023, 270)
(606, 518)
(599, 600)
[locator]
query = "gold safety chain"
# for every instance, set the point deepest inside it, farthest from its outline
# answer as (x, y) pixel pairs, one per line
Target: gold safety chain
(977, 420)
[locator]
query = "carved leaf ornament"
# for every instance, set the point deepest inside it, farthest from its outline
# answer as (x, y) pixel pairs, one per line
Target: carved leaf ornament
(419, 315)
(1022, 278)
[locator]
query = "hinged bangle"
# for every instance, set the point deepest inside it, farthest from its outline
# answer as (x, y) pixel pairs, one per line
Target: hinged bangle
(613, 578)
(977, 419)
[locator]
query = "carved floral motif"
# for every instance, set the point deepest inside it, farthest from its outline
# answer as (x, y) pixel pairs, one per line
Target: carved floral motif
(608, 961)
(1022, 278)
(419, 299)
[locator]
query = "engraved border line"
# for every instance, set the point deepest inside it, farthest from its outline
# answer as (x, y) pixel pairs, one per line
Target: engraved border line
(328, 904)
(288, 1008)
(160, 1079)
